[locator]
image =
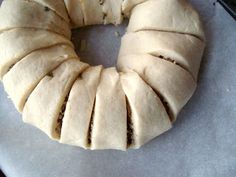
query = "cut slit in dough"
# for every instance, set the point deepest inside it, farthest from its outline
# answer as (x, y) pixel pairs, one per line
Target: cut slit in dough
(183, 49)
(43, 106)
(172, 82)
(29, 14)
(109, 129)
(79, 108)
(148, 115)
(166, 15)
(35, 39)
(31, 69)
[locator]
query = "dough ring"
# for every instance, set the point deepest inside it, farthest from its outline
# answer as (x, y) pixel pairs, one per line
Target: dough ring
(89, 106)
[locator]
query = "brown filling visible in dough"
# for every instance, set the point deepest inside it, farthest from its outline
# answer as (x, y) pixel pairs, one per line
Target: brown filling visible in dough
(166, 106)
(61, 116)
(104, 16)
(164, 103)
(174, 62)
(91, 126)
(50, 74)
(171, 60)
(130, 128)
(10, 67)
(101, 2)
(46, 9)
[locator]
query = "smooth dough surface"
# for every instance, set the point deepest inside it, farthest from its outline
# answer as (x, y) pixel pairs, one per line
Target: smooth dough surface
(35, 39)
(148, 115)
(31, 69)
(173, 83)
(57, 6)
(166, 15)
(109, 128)
(44, 105)
(79, 108)
(29, 14)
(184, 49)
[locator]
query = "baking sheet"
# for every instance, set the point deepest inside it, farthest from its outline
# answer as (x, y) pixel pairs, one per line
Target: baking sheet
(201, 144)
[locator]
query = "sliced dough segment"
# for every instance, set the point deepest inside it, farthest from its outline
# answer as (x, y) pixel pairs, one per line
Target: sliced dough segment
(112, 9)
(17, 43)
(92, 12)
(109, 130)
(43, 107)
(185, 50)
(148, 115)
(75, 12)
(29, 14)
(58, 6)
(128, 5)
(79, 108)
(30, 70)
(171, 81)
(166, 15)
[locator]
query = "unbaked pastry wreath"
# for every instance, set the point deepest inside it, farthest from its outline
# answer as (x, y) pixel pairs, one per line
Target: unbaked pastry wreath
(89, 106)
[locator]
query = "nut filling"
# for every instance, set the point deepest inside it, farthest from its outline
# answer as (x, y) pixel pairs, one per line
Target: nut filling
(130, 128)
(174, 62)
(61, 116)
(166, 106)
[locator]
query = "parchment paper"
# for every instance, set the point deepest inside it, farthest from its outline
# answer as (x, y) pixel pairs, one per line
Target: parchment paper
(201, 144)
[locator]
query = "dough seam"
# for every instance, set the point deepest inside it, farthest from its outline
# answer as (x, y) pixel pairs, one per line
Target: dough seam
(10, 67)
(168, 31)
(162, 99)
(161, 57)
(48, 74)
(90, 129)
(63, 106)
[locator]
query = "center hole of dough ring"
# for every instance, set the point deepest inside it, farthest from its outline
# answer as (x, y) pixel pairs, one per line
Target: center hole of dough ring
(100, 44)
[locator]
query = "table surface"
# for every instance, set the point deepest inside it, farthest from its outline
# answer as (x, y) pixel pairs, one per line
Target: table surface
(201, 144)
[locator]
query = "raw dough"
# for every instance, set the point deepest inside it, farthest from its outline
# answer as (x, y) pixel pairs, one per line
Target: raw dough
(30, 70)
(57, 6)
(166, 15)
(184, 49)
(79, 109)
(109, 128)
(128, 5)
(112, 9)
(44, 105)
(148, 115)
(75, 13)
(29, 14)
(35, 39)
(171, 82)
